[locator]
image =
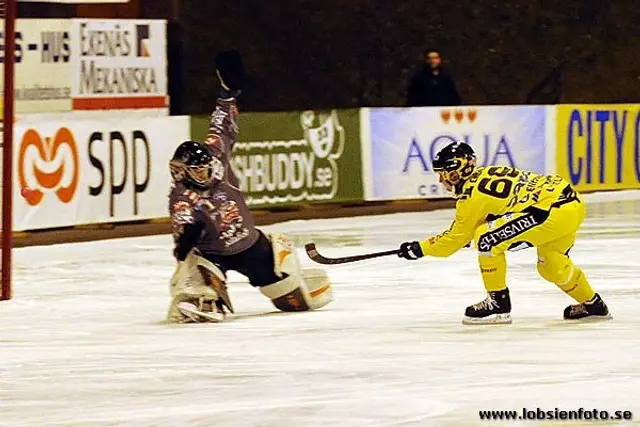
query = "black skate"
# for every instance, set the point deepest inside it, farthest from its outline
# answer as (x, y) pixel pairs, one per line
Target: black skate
(494, 310)
(595, 308)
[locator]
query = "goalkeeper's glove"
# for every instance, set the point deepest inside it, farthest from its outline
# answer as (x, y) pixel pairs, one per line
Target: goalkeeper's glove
(230, 72)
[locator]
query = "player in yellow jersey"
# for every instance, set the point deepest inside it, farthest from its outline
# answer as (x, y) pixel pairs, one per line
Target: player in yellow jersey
(499, 209)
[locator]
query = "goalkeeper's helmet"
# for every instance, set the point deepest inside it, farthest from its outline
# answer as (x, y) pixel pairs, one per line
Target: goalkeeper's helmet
(455, 164)
(195, 165)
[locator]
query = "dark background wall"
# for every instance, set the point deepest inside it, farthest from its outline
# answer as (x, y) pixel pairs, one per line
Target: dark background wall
(348, 53)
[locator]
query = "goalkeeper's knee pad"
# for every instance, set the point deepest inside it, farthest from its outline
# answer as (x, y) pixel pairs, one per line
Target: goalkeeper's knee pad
(300, 289)
(294, 293)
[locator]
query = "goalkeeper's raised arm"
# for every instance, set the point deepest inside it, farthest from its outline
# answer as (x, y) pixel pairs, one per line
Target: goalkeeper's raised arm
(223, 129)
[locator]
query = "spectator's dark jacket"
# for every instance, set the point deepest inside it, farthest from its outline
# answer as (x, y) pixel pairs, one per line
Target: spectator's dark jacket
(427, 89)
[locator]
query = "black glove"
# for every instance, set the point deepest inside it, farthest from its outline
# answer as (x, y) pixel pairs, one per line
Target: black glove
(410, 250)
(230, 71)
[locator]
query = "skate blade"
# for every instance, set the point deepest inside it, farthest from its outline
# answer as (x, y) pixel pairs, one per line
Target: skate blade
(494, 319)
(197, 316)
(590, 319)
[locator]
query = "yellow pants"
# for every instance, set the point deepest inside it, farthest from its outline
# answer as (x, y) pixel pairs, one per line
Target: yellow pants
(553, 233)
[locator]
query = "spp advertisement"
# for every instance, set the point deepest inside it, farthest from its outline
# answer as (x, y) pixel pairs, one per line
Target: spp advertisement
(296, 157)
(118, 64)
(598, 146)
(399, 144)
(93, 171)
(42, 65)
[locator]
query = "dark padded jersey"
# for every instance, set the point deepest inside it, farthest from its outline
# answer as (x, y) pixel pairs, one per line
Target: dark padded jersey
(217, 220)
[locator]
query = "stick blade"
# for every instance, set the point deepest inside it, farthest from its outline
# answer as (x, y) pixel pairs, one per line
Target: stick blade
(312, 252)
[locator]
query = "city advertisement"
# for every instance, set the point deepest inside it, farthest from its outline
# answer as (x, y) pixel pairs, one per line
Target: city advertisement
(42, 65)
(77, 172)
(296, 157)
(598, 146)
(399, 144)
(118, 64)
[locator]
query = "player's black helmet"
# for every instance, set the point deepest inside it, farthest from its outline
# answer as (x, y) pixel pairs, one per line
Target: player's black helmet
(194, 165)
(455, 164)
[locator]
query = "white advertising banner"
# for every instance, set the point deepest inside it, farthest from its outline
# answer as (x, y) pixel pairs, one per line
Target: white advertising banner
(398, 144)
(42, 68)
(93, 171)
(119, 64)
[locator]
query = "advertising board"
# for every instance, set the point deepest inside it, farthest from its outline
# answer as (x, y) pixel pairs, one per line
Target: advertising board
(399, 144)
(93, 171)
(118, 64)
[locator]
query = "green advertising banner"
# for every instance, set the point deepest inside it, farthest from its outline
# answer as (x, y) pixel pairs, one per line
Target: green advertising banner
(289, 158)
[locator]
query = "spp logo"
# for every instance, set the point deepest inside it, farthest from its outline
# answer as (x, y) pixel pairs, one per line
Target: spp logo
(48, 165)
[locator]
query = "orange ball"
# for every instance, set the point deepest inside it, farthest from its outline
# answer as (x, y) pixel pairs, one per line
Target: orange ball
(26, 192)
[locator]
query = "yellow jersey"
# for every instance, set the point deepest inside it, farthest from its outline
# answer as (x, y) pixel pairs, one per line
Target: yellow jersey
(492, 192)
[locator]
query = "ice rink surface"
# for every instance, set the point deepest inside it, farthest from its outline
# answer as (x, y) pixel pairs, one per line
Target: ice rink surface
(83, 343)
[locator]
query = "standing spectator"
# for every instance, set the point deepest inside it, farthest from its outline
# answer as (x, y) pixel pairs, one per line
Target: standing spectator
(432, 86)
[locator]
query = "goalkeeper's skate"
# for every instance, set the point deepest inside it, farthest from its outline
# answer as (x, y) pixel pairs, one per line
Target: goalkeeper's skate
(201, 311)
(595, 308)
(495, 309)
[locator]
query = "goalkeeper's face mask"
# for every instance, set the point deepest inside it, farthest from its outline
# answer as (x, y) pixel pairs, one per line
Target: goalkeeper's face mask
(203, 175)
(199, 176)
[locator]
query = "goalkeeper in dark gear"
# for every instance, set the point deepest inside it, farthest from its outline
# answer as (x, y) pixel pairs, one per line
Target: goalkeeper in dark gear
(214, 231)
